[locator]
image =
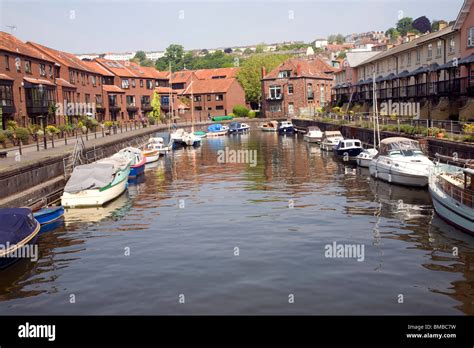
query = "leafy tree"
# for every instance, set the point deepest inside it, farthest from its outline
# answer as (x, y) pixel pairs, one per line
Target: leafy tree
(260, 48)
(435, 24)
(249, 74)
(174, 55)
(422, 24)
(156, 105)
(228, 50)
(240, 111)
(248, 51)
(337, 38)
(405, 25)
(342, 55)
(140, 55)
(392, 33)
(140, 58)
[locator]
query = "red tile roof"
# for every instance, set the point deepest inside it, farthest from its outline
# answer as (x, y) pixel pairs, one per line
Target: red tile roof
(165, 90)
(204, 74)
(64, 83)
(12, 44)
(5, 77)
(303, 67)
(97, 68)
(117, 68)
(209, 86)
(38, 81)
(112, 89)
(181, 76)
(63, 58)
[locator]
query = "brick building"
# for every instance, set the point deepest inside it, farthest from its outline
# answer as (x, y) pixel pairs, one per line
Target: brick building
(27, 82)
(296, 87)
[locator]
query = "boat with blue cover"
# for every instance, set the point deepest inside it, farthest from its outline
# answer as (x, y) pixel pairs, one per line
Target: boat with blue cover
(216, 129)
(286, 127)
(18, 229)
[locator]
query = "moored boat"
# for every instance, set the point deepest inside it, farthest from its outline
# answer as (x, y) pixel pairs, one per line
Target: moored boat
(200, 134)
(452, 191)
(215, 130)
(138, 160)
(330, 140)
(237, 127)
(401, 161)
(48, 215)
(18, 232)
(348, 149)
(270, 126)
(158, 143)
(286, 127)
(365, 157)
(97, 183)
(313, 135)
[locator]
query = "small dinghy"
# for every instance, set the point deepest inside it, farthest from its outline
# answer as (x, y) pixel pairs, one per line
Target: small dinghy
(270, 126)
(138, 160)
(48, 215)
(18, 230)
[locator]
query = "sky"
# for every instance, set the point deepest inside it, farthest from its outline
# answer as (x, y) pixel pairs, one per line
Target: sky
(89, 26)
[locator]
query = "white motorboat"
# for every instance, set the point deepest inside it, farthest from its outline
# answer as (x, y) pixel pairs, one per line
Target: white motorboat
(452, 191)
(330, 140)
(158, 143)
(365, 157)
(314, 135)
(270, 126)
(401, 161)
(216, 130)
(97, 183)
(182, 138)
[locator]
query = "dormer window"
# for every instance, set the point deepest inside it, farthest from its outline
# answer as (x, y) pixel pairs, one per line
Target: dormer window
(284, 74)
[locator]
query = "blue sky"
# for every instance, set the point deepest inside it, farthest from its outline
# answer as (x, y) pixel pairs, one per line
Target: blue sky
(117, 25)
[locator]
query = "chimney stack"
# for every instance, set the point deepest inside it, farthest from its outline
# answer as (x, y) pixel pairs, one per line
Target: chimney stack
(264, 71)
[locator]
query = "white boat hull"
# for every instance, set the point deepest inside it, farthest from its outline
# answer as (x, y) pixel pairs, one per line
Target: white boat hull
(364, 162)
(310, 139)
(216, 134)
(394, 175)
(93, 198)
(452, 211)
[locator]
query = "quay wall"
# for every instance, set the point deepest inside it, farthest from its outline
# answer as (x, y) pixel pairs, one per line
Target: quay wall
(431, 145)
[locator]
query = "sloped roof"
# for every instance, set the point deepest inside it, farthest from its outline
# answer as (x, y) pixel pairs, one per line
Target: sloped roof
(97, 68)
(12, 44)
(181, 76)
(209, 86)
(117, 68)
(410, 45)
(463, 13)
(205, 74)
(112, 89)
(313, 67)
(356, 58)
(62, 58)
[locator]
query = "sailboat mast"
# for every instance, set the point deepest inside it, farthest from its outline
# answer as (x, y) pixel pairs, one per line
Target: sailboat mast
(374, 108)
(192, 106)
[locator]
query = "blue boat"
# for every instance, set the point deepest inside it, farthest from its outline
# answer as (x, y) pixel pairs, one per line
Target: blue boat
(48, 215)
(348, 149)
(286, 127)
(18, 229)
(216, 129)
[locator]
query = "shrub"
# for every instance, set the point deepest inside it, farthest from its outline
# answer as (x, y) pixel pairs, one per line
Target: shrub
(3, 138)
(469, 138)
(468, 128)
(22, 134)
(240, 111)
(252, 114)
(12, 125)
(151, 119)
(51, 130)
(108, 124)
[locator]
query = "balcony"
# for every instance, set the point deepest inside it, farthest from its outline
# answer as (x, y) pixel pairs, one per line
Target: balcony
(147, 106)
(132, 107)
(278, 97)
(7, 106)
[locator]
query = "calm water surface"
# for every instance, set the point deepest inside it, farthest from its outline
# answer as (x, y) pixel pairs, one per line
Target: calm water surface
(184, 219)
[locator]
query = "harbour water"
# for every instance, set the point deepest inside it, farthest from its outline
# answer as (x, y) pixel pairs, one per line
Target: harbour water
(196, 236)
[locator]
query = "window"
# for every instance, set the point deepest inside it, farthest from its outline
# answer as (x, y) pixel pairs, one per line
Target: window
(198, 108)
(141, 83)
(7, 62)
(197, 98)
(149, 84)
(125, 83)
(28, 66)
(418, 56)
(284, 74)
(439, 48)
(50, 70)
(430, 51)
(157, 83)
(310, 91)
(219, 97)
(42, 70)
(134, 83)
(275, 92)
(378, 67)
(291, 108)
(6, 95)
(452, 45)
(408, 58)
(470, 37)
(290, 89)
(402, 60)
(88, 98)
(71, 77)
(219, 107)
(275, 107)
(208, 97)
(98, 100)
(18, 64)
(146, 100)
(130, 99)
(94, 81)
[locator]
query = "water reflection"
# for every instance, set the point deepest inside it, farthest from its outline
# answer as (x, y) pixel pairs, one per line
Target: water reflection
(183, 218)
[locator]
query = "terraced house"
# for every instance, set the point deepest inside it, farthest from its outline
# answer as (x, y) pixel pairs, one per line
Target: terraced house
(297, 87)
(27, 82)
(433, 70)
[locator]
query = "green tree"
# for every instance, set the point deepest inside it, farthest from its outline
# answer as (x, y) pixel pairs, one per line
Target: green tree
(174, 55)
(140, 55)
(392, 33)
(248, 51)
(249, 74)
(404, 25)
(260, 48)
(156, 106)
(337, 38)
